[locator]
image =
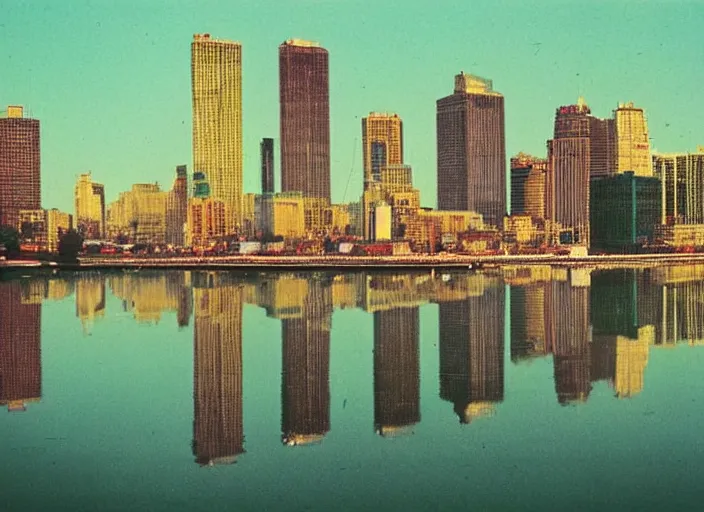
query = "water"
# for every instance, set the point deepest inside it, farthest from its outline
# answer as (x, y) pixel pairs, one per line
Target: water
(524, 388)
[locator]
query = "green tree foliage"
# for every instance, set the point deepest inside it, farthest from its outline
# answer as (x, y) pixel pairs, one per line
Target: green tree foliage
(70, 244)
(10, 238)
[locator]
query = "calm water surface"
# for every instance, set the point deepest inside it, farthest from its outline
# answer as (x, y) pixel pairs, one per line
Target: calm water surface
(523, 388)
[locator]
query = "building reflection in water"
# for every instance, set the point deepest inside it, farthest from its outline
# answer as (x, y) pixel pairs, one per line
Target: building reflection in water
(20, 344)
(218, 435)
(472, 352)
(305, 375)
(90, 298)
(396, 370)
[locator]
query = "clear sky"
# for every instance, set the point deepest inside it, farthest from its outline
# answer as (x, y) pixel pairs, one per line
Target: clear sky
(110, 79)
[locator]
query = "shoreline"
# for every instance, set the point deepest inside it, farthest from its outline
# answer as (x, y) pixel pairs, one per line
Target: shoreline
(462, 262)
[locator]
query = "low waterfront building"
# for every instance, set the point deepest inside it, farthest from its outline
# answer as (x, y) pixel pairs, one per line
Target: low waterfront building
(380, 222)
(44, 228)
(280, 214)
(206, 221)
(523, 230)
(680, 235)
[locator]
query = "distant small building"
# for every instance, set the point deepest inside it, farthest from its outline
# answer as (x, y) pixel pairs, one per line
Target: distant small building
(206, 221)
(681, 235)
(624, 211)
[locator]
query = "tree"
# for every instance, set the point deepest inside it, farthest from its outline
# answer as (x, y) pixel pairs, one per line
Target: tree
(10, 238)
(70, 244)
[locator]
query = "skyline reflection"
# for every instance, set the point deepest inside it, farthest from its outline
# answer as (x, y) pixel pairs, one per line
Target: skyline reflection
(592, 325)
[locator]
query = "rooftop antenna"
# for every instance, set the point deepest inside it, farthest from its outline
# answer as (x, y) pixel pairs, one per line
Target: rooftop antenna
(349, 176)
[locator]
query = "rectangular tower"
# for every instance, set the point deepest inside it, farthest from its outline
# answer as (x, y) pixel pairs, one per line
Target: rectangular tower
(89, 200)
(471, 152)
(305, 119)
(216, 81)
(20, 180)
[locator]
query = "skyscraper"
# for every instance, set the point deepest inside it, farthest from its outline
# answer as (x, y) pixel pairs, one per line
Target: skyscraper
(305, 119)
(89, 199)
(218, 432)
(382, 144)
(632, 142)
(216, 82)
(267, 154)
(20, 179)
(471, 153)
(569, 159)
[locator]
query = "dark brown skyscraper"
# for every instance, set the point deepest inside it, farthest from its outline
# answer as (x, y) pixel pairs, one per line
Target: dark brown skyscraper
(267, 153)
(305, 118)
(582, 148)
(305, 379)
(20, 347)
(218, 433)
(471, 149)
(20, 180)
(472, 353)
(396, 370)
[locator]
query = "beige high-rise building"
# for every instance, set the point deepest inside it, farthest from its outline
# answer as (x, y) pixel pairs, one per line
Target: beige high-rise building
(632, 143)
(382, 144)
(216, 81)
(44, 227)
(140, 214)
(90, 207)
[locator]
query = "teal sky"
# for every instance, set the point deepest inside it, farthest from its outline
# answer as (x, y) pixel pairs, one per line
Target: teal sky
(110, 80)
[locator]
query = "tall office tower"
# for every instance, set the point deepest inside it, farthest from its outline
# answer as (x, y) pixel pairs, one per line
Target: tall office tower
(305, 119)
(396, 370)
(472, 353)
(632, 142)
(569, 159)
(176, 208)
(567, 332)
(216, 82)
(602, 147)
(305, 375)
(266, 148)
(89, 199)
(382, 144)
(20, 178)
(682, 178)
(20, 347)
(218, 433)
(528, 182)
(471, 149)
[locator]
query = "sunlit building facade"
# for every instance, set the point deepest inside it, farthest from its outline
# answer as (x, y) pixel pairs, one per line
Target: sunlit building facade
(632, 141)
(216, 81)
(90, 207)
(382, 144)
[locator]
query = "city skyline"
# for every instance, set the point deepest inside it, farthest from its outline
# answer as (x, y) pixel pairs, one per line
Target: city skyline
(69, 149)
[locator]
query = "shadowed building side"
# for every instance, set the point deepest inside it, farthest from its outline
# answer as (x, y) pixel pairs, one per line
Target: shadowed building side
(396, 370)
(305, 379)
(472, 353)
(218, 435)
(20, 348)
